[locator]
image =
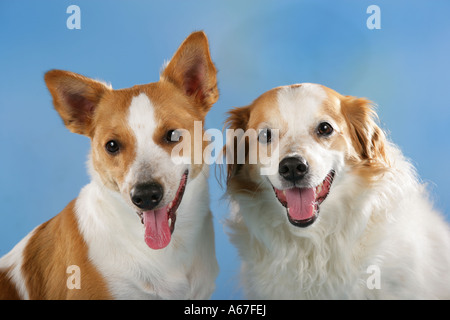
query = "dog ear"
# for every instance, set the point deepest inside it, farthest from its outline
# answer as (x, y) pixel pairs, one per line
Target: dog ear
(192, 70)
(237, 119)
(75, 97)
(367, 138)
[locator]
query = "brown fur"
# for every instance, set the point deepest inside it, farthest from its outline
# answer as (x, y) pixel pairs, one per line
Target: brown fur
(54, 246)
(245, 118)
(367, 138)
(192, 70)
(8, 289)
(75, 97)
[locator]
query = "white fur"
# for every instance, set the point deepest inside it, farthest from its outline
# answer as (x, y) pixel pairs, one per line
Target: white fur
(390, 227)
(13, 260)
(185, 269)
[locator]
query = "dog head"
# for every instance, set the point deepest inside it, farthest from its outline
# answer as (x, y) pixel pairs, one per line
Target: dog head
(310, 134)
(133, 131)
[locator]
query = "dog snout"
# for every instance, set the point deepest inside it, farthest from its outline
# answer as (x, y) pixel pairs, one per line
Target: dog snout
(147, 196)
(293, 169)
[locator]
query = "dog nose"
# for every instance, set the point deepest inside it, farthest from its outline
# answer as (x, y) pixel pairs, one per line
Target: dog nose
(293, 168)
(146, 196)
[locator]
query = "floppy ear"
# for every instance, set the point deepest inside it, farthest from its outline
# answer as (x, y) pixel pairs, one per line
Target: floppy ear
(192, 70)
(367, 138)
(75, 97)
(237, 119)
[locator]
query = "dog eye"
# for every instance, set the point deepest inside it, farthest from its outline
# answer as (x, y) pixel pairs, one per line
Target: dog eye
(325, 129)
(112, 147)
(265, 136)
(173, 136)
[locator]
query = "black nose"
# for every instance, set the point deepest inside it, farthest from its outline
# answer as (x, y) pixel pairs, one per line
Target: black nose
(293, 168)
(146, 195)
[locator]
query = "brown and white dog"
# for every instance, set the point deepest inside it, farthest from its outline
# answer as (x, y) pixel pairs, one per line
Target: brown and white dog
(166, 250)
(342, 216)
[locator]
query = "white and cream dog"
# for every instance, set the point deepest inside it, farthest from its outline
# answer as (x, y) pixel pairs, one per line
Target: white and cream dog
(343, 216)
(142, 228)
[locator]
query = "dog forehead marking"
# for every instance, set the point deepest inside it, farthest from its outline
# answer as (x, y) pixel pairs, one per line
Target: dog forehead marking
(141, 117)
(143, 123)
(300, 104)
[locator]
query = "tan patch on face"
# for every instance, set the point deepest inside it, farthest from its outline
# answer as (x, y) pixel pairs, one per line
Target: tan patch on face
(110, 123)
(332, 109)
(173, 110)
(266, 115)
(262, 113)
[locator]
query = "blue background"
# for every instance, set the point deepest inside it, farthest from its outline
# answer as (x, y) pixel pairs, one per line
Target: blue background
(403, 67)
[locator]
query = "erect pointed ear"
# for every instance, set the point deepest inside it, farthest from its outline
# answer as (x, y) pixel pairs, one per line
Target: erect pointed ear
(75, 97)
(192, 70)
(367, 138)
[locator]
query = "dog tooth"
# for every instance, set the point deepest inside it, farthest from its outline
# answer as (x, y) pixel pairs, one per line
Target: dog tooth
(170, 222)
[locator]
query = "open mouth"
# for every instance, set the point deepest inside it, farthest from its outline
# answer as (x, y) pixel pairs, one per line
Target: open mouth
(303, 204)
(160, 223)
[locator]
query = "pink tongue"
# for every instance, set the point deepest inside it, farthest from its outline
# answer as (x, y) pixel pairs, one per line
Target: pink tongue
(300, 203)
(157, 230)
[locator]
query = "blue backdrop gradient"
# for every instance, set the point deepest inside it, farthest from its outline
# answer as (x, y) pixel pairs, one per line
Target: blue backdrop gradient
(256, 44)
